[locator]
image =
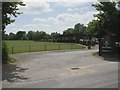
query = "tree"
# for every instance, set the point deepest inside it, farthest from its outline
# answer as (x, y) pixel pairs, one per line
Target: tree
(38, 35)
(47, 37)
(11, 36)
(30, 35)
(69, 31)
(6, 36)
(21, 35)
(9, 10)
(108, 21)
(42, 35)
(55, 36)
(107, 16)
(92, 27)
(79, 28)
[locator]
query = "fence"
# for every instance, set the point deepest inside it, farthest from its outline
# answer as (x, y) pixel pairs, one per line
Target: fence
(33, 48)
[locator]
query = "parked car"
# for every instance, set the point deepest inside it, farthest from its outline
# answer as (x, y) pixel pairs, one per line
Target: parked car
(106, 46)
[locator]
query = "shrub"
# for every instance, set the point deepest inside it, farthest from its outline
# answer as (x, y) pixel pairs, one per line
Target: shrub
(5, 56)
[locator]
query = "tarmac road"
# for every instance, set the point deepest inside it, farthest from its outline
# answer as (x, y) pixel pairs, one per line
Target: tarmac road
(64, 69)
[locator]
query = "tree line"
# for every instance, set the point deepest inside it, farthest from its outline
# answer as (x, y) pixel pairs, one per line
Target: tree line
(43, 36)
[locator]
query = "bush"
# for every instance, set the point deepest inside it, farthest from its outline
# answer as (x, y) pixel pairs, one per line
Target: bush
(5, 56)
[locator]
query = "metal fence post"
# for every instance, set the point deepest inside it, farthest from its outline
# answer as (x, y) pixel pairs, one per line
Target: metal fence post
(71, 46)
(59, 46)
(45, 47)
(12, 50)
(29, 48)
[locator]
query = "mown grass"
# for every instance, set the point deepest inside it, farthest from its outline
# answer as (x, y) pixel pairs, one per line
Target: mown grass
(19, 46)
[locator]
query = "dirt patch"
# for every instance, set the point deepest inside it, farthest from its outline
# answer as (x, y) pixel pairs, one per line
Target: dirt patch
(76, 72)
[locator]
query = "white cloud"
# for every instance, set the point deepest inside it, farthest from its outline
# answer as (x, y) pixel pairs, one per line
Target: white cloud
(70, 4)
(61, 0)
(35, 7)
(56, 24)
(75, 3)
(73, 9)
(12, 25)
(39, 20)
(80, 10)
(60, 22)
(118, 7)
(70, 9)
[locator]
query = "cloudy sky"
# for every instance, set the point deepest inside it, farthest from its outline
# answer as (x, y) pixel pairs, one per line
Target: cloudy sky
(52, 16)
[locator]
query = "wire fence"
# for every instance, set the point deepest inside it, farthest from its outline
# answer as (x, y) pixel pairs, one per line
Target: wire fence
(33, 48)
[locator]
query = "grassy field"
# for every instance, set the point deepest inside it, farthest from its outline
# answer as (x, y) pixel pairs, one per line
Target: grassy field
(17, 46)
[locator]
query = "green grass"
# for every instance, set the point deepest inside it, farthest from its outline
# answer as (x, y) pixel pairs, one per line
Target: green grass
(20, 46)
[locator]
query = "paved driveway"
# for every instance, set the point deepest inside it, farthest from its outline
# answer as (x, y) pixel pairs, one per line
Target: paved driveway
(63, 69)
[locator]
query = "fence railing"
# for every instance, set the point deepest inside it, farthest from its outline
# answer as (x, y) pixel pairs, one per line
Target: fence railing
(33, 48)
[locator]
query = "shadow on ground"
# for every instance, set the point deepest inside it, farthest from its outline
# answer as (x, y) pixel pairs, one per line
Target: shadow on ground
(12, 73)
(110, 57)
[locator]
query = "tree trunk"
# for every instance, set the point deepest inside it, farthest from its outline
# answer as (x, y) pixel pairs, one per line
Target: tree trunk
(113, 46)
(100, 47)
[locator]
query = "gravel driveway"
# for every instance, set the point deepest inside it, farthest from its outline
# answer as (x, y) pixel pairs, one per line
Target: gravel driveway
(63, 69)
